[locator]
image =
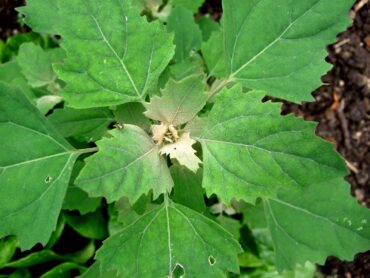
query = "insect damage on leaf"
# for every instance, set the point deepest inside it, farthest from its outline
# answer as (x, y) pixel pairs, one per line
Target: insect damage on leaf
(177, 146)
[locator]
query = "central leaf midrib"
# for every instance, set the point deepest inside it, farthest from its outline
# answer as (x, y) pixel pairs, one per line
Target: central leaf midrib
(315, 215)
(235, 73)
(123, 65)
(266, 150)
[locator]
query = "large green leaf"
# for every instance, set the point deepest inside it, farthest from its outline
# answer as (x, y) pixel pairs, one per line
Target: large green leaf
(91, 225)
(36, 64)
(212, 52)
(180, 101)
(188, 36)
(77, 199)
(83, 124)
(318, 221)
(35, 168)
(133, 114)
(173, 235)
(42, 16)
(10, 73)
(63, 270)
(250, 150)
(8, 246)
(127, 164)
(279, 46)
(114, 55)
(188, 189)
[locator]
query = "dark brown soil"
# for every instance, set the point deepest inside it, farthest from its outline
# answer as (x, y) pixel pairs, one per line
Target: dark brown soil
(342, 108)
(9, 18)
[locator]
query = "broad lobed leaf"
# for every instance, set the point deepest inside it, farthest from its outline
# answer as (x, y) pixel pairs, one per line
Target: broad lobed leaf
(187, 35)
(180, 101)
(171, 234)
(34, 170)
(114, 55)
(36, 64)
(127, 164)
(320, 220)
(250, 150)
(42, 16)
(279, 46)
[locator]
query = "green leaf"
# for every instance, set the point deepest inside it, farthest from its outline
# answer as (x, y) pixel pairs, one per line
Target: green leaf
(114, 55)
(36, 258)
(128, 164)
(45, 256)
(195, 127)
(208, 26)
(10, 73)
(77, 199)
(91, 225)
(36, 64)
(8, 246)
(19, 273)
(42, 16)
(230, 224)
(83, 124)
(63, 270)
(34, 171)
(94, 272)
(121, 215)
(279, 46)
(172, 234)
(55, 236)
(193, 65)
(180, 101)
(188, 36)
(327, 221)
(188, 189)
(250, 150)
(212, 52)
(191, 5)
(133, 114)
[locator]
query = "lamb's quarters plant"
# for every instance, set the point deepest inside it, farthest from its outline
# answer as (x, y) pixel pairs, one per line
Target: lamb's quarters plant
(148, 128)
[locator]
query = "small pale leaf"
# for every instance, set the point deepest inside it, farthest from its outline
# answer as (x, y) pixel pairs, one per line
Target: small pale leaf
(180, 101)
(183, 152)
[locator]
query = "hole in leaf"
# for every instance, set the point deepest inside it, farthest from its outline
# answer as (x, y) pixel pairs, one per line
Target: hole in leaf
(178, 271)
(211, 260)
(48, 179)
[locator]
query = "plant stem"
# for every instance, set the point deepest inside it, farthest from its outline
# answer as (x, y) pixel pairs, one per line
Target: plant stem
(88, 150)
(218, 86)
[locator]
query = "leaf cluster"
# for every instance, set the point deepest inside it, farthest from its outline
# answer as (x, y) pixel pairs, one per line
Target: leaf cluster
(143, 125)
